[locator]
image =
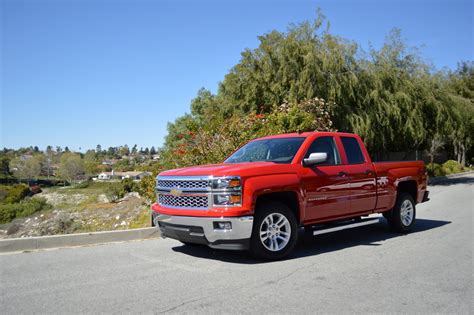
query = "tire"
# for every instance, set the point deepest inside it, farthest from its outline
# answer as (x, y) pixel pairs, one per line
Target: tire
(402, 218)
(278, 227)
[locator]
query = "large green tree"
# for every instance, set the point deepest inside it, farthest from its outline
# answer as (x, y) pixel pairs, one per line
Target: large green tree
(390, 96)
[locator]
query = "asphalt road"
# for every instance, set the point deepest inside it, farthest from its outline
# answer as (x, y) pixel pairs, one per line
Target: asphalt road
(363, 270)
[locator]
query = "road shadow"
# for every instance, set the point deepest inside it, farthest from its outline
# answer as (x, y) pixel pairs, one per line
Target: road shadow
(452, 181)
(308, 245)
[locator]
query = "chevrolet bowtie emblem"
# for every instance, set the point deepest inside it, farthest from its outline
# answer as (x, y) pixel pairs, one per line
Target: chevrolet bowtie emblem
(175, 192)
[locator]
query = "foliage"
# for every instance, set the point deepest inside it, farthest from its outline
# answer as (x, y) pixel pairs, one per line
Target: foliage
(83, 184)
(5, 166)
(13, 193)
(452, 167)
(447, 168)
(25, 167)
(123, 165)
(26, 207)
(117, 190)
(114, 191)
(146, 188)
(71, 166)
(212, 140)
(129, 185)
(391, 97)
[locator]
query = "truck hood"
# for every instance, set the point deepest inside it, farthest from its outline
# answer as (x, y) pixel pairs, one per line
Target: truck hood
(230, 169)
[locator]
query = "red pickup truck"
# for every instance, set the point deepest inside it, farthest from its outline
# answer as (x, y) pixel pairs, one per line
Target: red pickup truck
(268, 189)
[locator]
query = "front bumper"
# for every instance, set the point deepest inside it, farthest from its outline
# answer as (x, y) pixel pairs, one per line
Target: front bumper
(201, 230)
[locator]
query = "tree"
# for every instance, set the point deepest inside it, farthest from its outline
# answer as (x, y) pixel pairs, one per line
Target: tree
(436, 144)
(25, 167)
(461, 83)
(5, 166)
(98, 149)
(124, 150)
(111, 152)
(71, 166)
(152, 151)
(91, 164)
(134, 149)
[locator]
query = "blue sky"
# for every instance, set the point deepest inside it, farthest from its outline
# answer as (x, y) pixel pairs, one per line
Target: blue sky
(82, 73)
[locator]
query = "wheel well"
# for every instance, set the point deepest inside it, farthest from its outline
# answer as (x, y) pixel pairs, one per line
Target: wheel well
(408, 187)
(289, 198)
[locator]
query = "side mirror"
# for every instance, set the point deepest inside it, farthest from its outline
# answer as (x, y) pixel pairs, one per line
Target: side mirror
(315, 158)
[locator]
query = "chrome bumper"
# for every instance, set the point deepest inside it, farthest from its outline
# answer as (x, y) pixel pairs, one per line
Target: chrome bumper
(201, 230)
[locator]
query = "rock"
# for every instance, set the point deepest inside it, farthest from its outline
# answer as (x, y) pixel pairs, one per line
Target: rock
(12, 229)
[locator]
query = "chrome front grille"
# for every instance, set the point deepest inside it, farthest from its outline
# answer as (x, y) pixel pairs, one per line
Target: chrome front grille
(190, 192)
(183, 201)
(183, 184)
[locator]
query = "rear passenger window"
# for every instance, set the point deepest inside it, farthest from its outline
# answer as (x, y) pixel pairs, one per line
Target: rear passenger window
(353, 151)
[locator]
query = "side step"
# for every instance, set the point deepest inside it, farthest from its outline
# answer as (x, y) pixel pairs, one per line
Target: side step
(346, 226)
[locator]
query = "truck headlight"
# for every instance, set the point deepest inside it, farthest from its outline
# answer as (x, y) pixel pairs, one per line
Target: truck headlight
(226, 183)
(227, 200)
(227, 191)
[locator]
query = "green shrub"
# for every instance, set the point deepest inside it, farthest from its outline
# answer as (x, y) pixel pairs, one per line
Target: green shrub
(8, 212)
(435, 169)
(115, 191)
(13, 193)
(26, 207)
(452, 167)
(84, 184)
(129, 185)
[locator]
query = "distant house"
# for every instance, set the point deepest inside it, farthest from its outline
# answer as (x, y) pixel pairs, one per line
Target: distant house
(135, 175)
(156, 157)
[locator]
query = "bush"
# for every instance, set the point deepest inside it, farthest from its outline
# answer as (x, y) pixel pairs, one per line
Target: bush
(13, 193)
(115, 191)
(83, 184)
(435, 169)
(452, 167)
(129, 185)
(26, 207)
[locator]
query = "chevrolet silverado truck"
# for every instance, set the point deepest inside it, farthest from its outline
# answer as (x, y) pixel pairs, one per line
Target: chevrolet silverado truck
(266, 191)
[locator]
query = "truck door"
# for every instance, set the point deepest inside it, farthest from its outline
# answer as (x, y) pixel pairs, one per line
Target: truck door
(326, 185)
(362, 177)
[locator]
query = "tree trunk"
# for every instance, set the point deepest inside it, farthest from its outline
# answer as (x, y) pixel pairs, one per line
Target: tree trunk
(463, 155)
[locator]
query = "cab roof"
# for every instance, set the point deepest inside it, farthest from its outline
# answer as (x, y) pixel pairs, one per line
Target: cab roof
(305, 134)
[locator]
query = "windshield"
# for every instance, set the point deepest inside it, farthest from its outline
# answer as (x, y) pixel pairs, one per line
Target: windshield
(278, 150)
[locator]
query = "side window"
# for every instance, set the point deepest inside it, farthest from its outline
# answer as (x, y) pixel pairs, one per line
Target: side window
(353, 151)
(327, 145)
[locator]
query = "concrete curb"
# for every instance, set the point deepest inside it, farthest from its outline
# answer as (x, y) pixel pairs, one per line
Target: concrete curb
(55, 241)
(440, 179)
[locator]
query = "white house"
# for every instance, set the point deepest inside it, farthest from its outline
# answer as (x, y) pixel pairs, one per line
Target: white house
(135, 175)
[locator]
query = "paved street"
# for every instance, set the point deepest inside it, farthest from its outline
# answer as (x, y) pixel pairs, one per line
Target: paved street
(363, 270)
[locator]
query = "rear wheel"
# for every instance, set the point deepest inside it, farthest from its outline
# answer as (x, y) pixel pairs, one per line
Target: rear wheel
(274, 233)
(403, 216)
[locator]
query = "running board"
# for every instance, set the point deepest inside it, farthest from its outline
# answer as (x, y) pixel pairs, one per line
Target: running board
(346, 226)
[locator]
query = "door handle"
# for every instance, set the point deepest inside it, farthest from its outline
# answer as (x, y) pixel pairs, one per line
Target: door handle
(342, 174)
(368, 172)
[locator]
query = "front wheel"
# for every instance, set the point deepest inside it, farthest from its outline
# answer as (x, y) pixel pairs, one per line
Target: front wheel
(274, 232)
(403, 216)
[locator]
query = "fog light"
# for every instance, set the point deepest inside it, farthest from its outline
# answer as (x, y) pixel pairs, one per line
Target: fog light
(222, 226)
